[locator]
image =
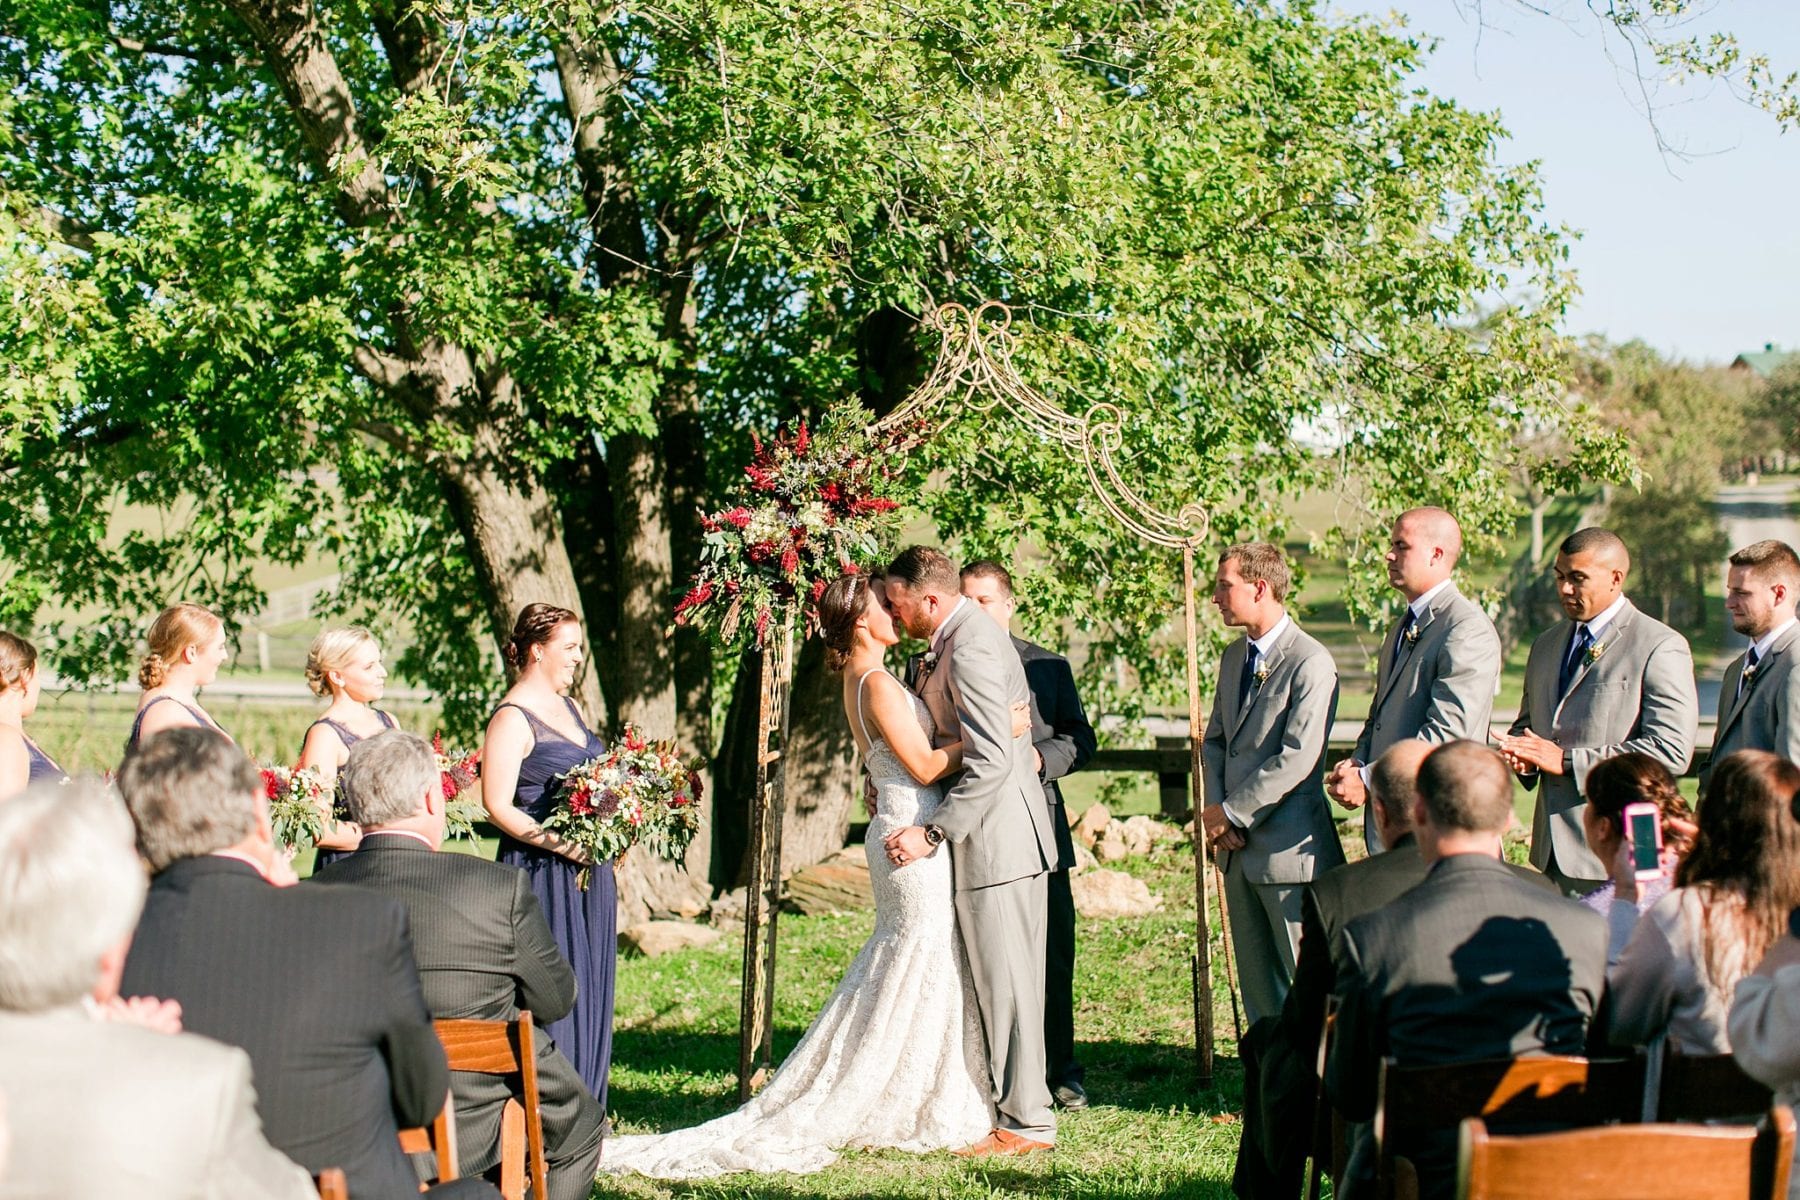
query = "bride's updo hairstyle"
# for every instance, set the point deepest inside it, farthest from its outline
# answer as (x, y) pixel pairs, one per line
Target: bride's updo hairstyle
(841, 606)
(174, 630)
(533, 628)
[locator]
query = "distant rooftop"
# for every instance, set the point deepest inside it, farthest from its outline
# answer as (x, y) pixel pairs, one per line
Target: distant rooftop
(1765, 361)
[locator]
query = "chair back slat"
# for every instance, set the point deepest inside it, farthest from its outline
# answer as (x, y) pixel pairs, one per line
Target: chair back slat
(506, 1048)
(1536, 1090)
(1630, 1162)
(332, 1185)
(1707, 1087)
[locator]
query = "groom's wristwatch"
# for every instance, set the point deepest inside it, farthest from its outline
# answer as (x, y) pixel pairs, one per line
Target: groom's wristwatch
(934, 836)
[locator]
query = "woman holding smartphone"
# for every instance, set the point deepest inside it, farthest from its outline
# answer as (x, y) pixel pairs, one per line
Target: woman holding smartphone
(1732, 895)
(1641, 786)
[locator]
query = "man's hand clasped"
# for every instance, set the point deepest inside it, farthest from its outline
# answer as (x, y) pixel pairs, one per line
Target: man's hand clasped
(1345, 784)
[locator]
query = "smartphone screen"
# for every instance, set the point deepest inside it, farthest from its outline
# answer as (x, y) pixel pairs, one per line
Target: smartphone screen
(1646, 841)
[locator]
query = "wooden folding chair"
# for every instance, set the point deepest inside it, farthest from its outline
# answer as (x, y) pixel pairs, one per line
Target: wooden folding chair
(332, 1185)
(1541, 1091)
(1707, 1087)
(438, 1141)
(506, 1048)
(1328, 1136)
(1630, 1162)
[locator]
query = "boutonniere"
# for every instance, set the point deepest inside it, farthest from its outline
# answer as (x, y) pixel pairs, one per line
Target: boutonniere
(1262, 673)
(1411, 637)
(928, 662)
(1594, 652)
(1750, 673)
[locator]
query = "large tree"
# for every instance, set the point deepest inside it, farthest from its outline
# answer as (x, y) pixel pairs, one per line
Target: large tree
(484, 300)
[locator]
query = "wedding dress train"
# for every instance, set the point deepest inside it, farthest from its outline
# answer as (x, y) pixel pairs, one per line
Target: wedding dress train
(895, 1059)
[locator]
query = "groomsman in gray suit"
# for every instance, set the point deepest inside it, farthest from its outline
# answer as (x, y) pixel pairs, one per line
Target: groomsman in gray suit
(1264, 766)
(1439, 666)
(1759, 705)
(1609, 680)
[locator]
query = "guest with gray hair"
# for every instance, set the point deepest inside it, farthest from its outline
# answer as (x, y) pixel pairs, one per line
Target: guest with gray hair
(116, 1109)
(483, 949)
(317, 985)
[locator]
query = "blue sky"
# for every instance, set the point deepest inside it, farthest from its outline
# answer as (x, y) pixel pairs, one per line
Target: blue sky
(1697, 255)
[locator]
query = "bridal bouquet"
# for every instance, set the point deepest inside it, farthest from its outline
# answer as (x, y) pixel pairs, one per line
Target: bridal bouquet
(298, 800)
(811, 503)
(637, 793)
(457, 772)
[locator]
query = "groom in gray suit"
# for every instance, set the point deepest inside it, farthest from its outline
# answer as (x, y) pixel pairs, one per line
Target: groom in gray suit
(1759, 706)
(1607, 681)
(1439, 666)
(1263, 766)
(1002, 845)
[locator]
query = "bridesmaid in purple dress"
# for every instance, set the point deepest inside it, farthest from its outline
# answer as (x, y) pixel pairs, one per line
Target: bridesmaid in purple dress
(187, 648)
(344, 664)
(21, 762)
(534, 737)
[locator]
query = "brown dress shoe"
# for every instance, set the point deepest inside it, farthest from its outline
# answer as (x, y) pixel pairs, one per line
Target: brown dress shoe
(1002, 1143)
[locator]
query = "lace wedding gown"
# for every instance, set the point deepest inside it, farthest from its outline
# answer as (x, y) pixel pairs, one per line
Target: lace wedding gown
(895, 1059)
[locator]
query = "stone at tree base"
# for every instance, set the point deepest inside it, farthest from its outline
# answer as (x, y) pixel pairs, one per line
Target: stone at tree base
(1093, 822)
(1151, 828)
(1112, 894)
(839, 884)
(1084, 860)
(1136, 838)
(727, 909)
(655, 938)
(1111, 847)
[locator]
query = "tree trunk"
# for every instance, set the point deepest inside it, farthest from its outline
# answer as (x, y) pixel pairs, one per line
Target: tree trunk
(823, 786)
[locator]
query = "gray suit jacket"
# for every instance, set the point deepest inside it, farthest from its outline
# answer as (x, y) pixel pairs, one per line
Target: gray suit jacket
(100, 1111)
(1767, 715)
(1438, 687)
(1265, 763)
(1637, 694)
(993, 814)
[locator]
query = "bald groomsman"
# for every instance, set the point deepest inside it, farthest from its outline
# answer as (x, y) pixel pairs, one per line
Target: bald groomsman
(1439, 665)
(1759, 705)
(1264, 767)
(1608, 680)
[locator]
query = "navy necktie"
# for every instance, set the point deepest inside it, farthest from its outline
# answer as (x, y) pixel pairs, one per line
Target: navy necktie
(1406, 623)
(1750, 660)
(1248, 679)
(1578, 646)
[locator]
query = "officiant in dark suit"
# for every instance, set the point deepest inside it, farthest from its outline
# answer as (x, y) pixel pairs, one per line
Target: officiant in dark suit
(483, 948)
(317, 985)
(1062, 742)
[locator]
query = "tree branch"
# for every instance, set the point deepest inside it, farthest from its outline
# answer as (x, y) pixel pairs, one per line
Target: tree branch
(60, 227)
(591, 78)
(294, 49)
(211, 58)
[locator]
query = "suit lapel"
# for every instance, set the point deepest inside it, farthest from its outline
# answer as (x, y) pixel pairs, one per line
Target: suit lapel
(1740, 700)
(1603, 645)
(1267, 667)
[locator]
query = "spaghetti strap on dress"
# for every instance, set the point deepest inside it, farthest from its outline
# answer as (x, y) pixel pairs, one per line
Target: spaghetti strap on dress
(585, 923)
(137, 724)
(43, 767)
(340, 810)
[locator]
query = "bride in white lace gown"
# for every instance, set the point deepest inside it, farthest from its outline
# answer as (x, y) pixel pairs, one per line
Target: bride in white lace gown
(895, 1059)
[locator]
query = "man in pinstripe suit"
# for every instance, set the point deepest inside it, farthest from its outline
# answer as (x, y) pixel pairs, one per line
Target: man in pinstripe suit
(483, 950)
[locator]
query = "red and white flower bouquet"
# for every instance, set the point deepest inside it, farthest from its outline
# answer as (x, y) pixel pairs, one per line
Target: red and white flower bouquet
(298, 802)
(638, 793)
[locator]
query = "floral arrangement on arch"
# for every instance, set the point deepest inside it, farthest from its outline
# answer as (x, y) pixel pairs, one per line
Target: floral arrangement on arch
(812, 503)
(638, 792)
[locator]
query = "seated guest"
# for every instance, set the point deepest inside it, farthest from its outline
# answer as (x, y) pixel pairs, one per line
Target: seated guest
(1764, 1025)
(483, 950)
(316, 984)
(1731, 900)
(1614, 783)
(102, 1108)
(1473, 963)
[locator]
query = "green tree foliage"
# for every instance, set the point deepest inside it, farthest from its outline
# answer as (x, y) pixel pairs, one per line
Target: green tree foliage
(483, 300)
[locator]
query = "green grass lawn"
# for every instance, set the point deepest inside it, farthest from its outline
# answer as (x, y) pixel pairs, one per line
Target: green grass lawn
(1149, 1133)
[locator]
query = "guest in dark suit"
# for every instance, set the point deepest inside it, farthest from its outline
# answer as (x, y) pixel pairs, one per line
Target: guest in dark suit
(1062, 742)
(1473, 963)
(317, 985)
(1278, 1121)
(482, 946)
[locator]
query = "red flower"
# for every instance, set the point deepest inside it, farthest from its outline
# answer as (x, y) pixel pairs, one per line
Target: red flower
(761, 478)
(271, 784)
(790, 561)
(832, 493)
(578, 801)
(700, 594)
(447, 784)
(762, 624)
(761, 552)
(633, 740)
(818, 589)
(738, 517)
(803, 440)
